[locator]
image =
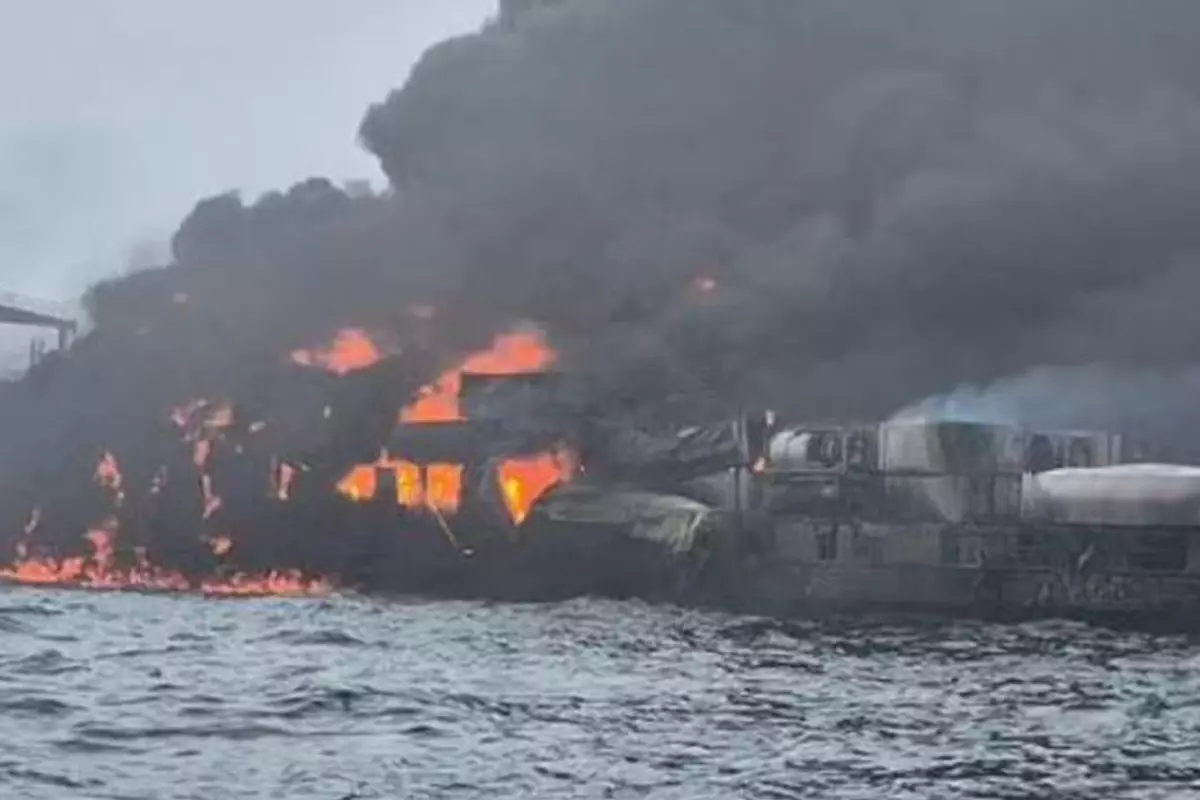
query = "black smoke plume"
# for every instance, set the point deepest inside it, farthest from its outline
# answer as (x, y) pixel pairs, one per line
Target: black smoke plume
(825, 207)
(893, 198)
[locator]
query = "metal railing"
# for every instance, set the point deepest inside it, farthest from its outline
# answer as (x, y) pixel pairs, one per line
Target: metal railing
(59, 311)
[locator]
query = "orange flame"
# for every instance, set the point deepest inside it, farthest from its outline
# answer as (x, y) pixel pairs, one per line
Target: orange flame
(277, 583)
(510, 354)
(359, 484)
(439, 486)
(524, 480)
(100, 571)
(444, 484)
(352, 349)
(362, 482)
(95, 572)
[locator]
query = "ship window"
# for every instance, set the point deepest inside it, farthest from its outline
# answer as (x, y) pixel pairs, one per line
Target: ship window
(827, 545)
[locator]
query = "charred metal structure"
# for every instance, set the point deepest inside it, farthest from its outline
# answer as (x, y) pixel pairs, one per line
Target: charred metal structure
(313, 471)
(16, 309)
(954, 517)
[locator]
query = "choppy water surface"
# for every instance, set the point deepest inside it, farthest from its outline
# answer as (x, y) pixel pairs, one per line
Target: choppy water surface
(133, 696)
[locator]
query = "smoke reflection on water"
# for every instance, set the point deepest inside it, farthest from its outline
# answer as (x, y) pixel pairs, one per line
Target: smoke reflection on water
(137, 696)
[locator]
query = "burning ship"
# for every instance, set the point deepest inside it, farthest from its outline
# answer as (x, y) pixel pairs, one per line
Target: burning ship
(321, 478)
(306, 393)
(489, 483)
(330, 474)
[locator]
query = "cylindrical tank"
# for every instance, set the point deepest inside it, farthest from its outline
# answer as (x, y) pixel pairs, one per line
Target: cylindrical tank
(806, 449)
(820, 449)
(1152, 495)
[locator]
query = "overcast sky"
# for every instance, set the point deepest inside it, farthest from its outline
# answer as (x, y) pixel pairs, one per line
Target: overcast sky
(116, 115)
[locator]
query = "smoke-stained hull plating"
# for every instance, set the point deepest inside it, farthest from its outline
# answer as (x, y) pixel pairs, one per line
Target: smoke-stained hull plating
(913, 517)
(958, 519)
(1012, 570)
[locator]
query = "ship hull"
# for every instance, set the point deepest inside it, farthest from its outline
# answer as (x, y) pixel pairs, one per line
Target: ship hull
(815, 567)
(1132, 576)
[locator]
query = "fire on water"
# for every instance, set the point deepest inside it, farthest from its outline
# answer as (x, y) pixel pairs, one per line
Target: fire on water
(437, 487)
(101, 571)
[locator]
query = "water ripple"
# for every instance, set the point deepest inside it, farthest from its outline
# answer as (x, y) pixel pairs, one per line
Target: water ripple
(44, 662)
(325, 636)
(139, 696)
(32, 705)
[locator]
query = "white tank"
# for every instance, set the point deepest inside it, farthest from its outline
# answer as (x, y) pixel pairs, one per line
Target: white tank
(799, 447)
(1124, 494)
(821, 448)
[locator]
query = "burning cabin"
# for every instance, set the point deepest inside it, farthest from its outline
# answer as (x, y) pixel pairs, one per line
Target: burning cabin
(472, 453)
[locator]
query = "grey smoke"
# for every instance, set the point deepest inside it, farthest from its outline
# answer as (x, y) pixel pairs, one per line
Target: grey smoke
(1152, 402)
(895, 198)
